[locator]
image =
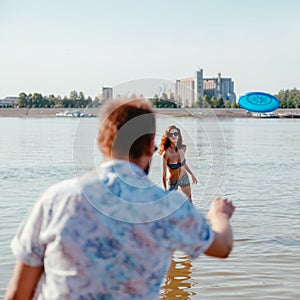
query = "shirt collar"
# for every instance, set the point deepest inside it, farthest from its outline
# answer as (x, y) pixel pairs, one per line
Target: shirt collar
(124, 167)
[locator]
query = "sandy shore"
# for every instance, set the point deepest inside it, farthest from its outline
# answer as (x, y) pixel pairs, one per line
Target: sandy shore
(180, 112)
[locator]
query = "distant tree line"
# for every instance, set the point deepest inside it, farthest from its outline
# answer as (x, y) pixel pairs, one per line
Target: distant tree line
(74, 100)
(213, 102)
(206, 102)
(163, 102)
(289, 98)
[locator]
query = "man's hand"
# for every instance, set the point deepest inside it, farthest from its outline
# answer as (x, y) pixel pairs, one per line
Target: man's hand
(220, 212)
(220, 207)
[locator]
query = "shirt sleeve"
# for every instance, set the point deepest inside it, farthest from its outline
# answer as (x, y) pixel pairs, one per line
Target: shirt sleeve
(26, 245)
(189, 231)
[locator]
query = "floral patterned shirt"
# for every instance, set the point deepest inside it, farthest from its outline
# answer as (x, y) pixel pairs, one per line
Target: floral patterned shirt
(109, 234)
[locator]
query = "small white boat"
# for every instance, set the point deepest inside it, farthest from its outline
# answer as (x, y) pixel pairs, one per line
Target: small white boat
(289, 116)
(74, 114)
(264, 115)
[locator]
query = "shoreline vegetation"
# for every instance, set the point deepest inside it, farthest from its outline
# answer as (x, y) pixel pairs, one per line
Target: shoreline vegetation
(175, 112)
(77, 105)
(289, 99)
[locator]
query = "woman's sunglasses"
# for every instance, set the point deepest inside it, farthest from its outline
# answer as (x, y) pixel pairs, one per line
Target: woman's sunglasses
(170, 134)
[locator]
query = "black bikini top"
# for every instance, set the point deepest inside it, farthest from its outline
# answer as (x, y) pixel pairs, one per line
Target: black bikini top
(176, 166)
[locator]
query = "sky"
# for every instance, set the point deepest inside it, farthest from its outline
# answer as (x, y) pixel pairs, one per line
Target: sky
(56, 46)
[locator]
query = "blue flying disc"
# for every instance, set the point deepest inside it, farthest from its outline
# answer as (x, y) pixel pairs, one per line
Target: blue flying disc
(259, 102)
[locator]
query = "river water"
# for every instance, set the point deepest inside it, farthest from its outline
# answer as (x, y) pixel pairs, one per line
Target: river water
(254, 162)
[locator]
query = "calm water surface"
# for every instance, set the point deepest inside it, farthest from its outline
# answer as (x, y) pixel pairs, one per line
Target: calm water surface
(254, 162)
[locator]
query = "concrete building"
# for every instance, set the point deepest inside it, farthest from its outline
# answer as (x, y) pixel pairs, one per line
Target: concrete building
(220, 88)
(188, 90)
(9, 102)
(107, 93)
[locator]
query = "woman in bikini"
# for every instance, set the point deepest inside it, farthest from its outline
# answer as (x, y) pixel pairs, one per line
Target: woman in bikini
(173, 152)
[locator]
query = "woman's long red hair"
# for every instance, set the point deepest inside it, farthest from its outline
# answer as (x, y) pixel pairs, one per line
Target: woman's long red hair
(165, 142)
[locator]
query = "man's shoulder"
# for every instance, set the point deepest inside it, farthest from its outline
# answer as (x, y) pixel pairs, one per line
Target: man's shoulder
(68, 187)
(62, 186)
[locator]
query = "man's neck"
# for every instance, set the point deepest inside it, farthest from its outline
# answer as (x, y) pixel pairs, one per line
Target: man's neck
(143, 162)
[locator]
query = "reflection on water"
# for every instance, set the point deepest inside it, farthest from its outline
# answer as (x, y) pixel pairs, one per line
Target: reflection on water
(177, 282)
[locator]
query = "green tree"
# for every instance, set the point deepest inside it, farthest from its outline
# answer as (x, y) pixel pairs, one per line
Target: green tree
(81, 96)
(220, 103)
(51, 101)
(206, 101)
(297, 101)
(73, 95)
(59, 102)
(29, 101)
(214, 102)
(68, 103)
(290, 103)
(282, 95)
(22, 100)
(234, 104)
(37, 100)
(227, 104)
(288, 98)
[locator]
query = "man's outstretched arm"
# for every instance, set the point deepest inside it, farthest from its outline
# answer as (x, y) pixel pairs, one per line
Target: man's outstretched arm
(219, 215)
(23, 282)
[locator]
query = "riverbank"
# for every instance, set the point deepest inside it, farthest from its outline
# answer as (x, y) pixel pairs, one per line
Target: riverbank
(175, 112)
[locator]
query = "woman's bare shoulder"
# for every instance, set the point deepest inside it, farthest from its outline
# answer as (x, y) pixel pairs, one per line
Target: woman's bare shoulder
(165, 153)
